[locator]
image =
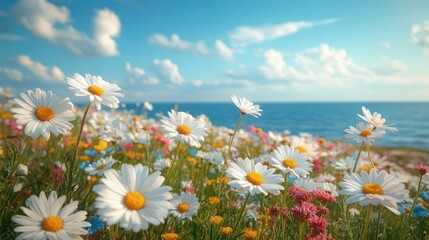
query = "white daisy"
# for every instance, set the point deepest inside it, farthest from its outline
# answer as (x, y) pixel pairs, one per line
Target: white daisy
(254, 178)
(132, 198)
(246, 106)
(161, 163)
(185, 206)
(101, 166)
(183, 126)
(44, 113)
(364, 133)
(48, 219)
(374, 189)
(346, 164)
(98, 90)
(290, 160)
(306, 184)
(376, 120)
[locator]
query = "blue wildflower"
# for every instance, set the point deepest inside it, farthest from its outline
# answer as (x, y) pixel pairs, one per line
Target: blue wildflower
(418, 212)
(96, 224)
(90, 153)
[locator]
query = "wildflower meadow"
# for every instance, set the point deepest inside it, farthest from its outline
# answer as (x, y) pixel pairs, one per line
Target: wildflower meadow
(104, 173)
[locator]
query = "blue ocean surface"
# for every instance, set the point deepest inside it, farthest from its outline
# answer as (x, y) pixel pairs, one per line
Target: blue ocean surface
(327, 120)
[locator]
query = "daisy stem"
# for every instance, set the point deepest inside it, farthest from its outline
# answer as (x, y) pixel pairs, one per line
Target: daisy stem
(415, 199)
(21, 155)
(369, 157)
(301, 230)
(378, 221)
(286, 176)
(73, 160)
(225, 160)
(357, 158)
(172, 163)
(243, 207)
(366, 227)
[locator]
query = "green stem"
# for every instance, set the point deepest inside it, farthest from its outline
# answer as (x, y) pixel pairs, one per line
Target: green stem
(357, 158)
(242, 211)
(378, 221)
(172, 163)
(225, 160)
(301, 230)
(20, 157)
(285, 183)
(415, 199)
(73, 160)
(367, 220)
(369, 157)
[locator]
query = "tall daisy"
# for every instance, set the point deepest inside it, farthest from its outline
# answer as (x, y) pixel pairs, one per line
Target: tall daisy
(44, 113)
(48, 219)
(185, 206)
(132, 198)
(101, 166)
(290, 160)
(376, 120)
(364, 133)
(253, 178)
(246, 106)
(98, 90)
(374, 189)
(183, 126)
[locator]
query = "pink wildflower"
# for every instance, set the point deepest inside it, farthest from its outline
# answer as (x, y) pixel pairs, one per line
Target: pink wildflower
(299, 195)
(317, 225)
(323, 196)
(423, 169)
(304, 211)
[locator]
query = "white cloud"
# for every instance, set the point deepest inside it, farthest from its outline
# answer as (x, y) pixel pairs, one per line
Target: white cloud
(245, 35)
(134, 71)
(178, 44)
(420, 36)
(326, 65)
(53, 24)
(221, 50)
(168, 70)
(12, 74)
(198, 83)
(150, 81)
(10, 37)
(53, 74)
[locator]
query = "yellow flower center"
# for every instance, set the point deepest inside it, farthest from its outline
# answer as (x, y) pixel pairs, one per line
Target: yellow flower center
(183, 129)
(52, 224)
(134, 200)
(170, 236)
(372, 188)
(365, 133)
(101, 167)
(183, 207)
(255, 178)
(290, 163)
(367, 167)
(44, 113)
(96, 90)
(301, 149)
(376, 163)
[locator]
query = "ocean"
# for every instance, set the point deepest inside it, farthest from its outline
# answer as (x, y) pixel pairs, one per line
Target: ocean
(327, 120)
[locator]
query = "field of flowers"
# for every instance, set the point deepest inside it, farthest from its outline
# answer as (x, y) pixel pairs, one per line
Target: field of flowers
(67, 173)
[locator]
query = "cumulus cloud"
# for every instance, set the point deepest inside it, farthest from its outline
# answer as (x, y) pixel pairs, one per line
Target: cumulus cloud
(178, 44)
(53, 23)
(53, 74)
(245, 35)
(133, 71)
(221, 50)
(166, 69)
(420, 36)
(150, 81)
(12, 74)
(326, 65)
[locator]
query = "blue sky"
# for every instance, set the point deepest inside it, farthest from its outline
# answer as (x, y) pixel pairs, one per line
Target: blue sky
(205, 51)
